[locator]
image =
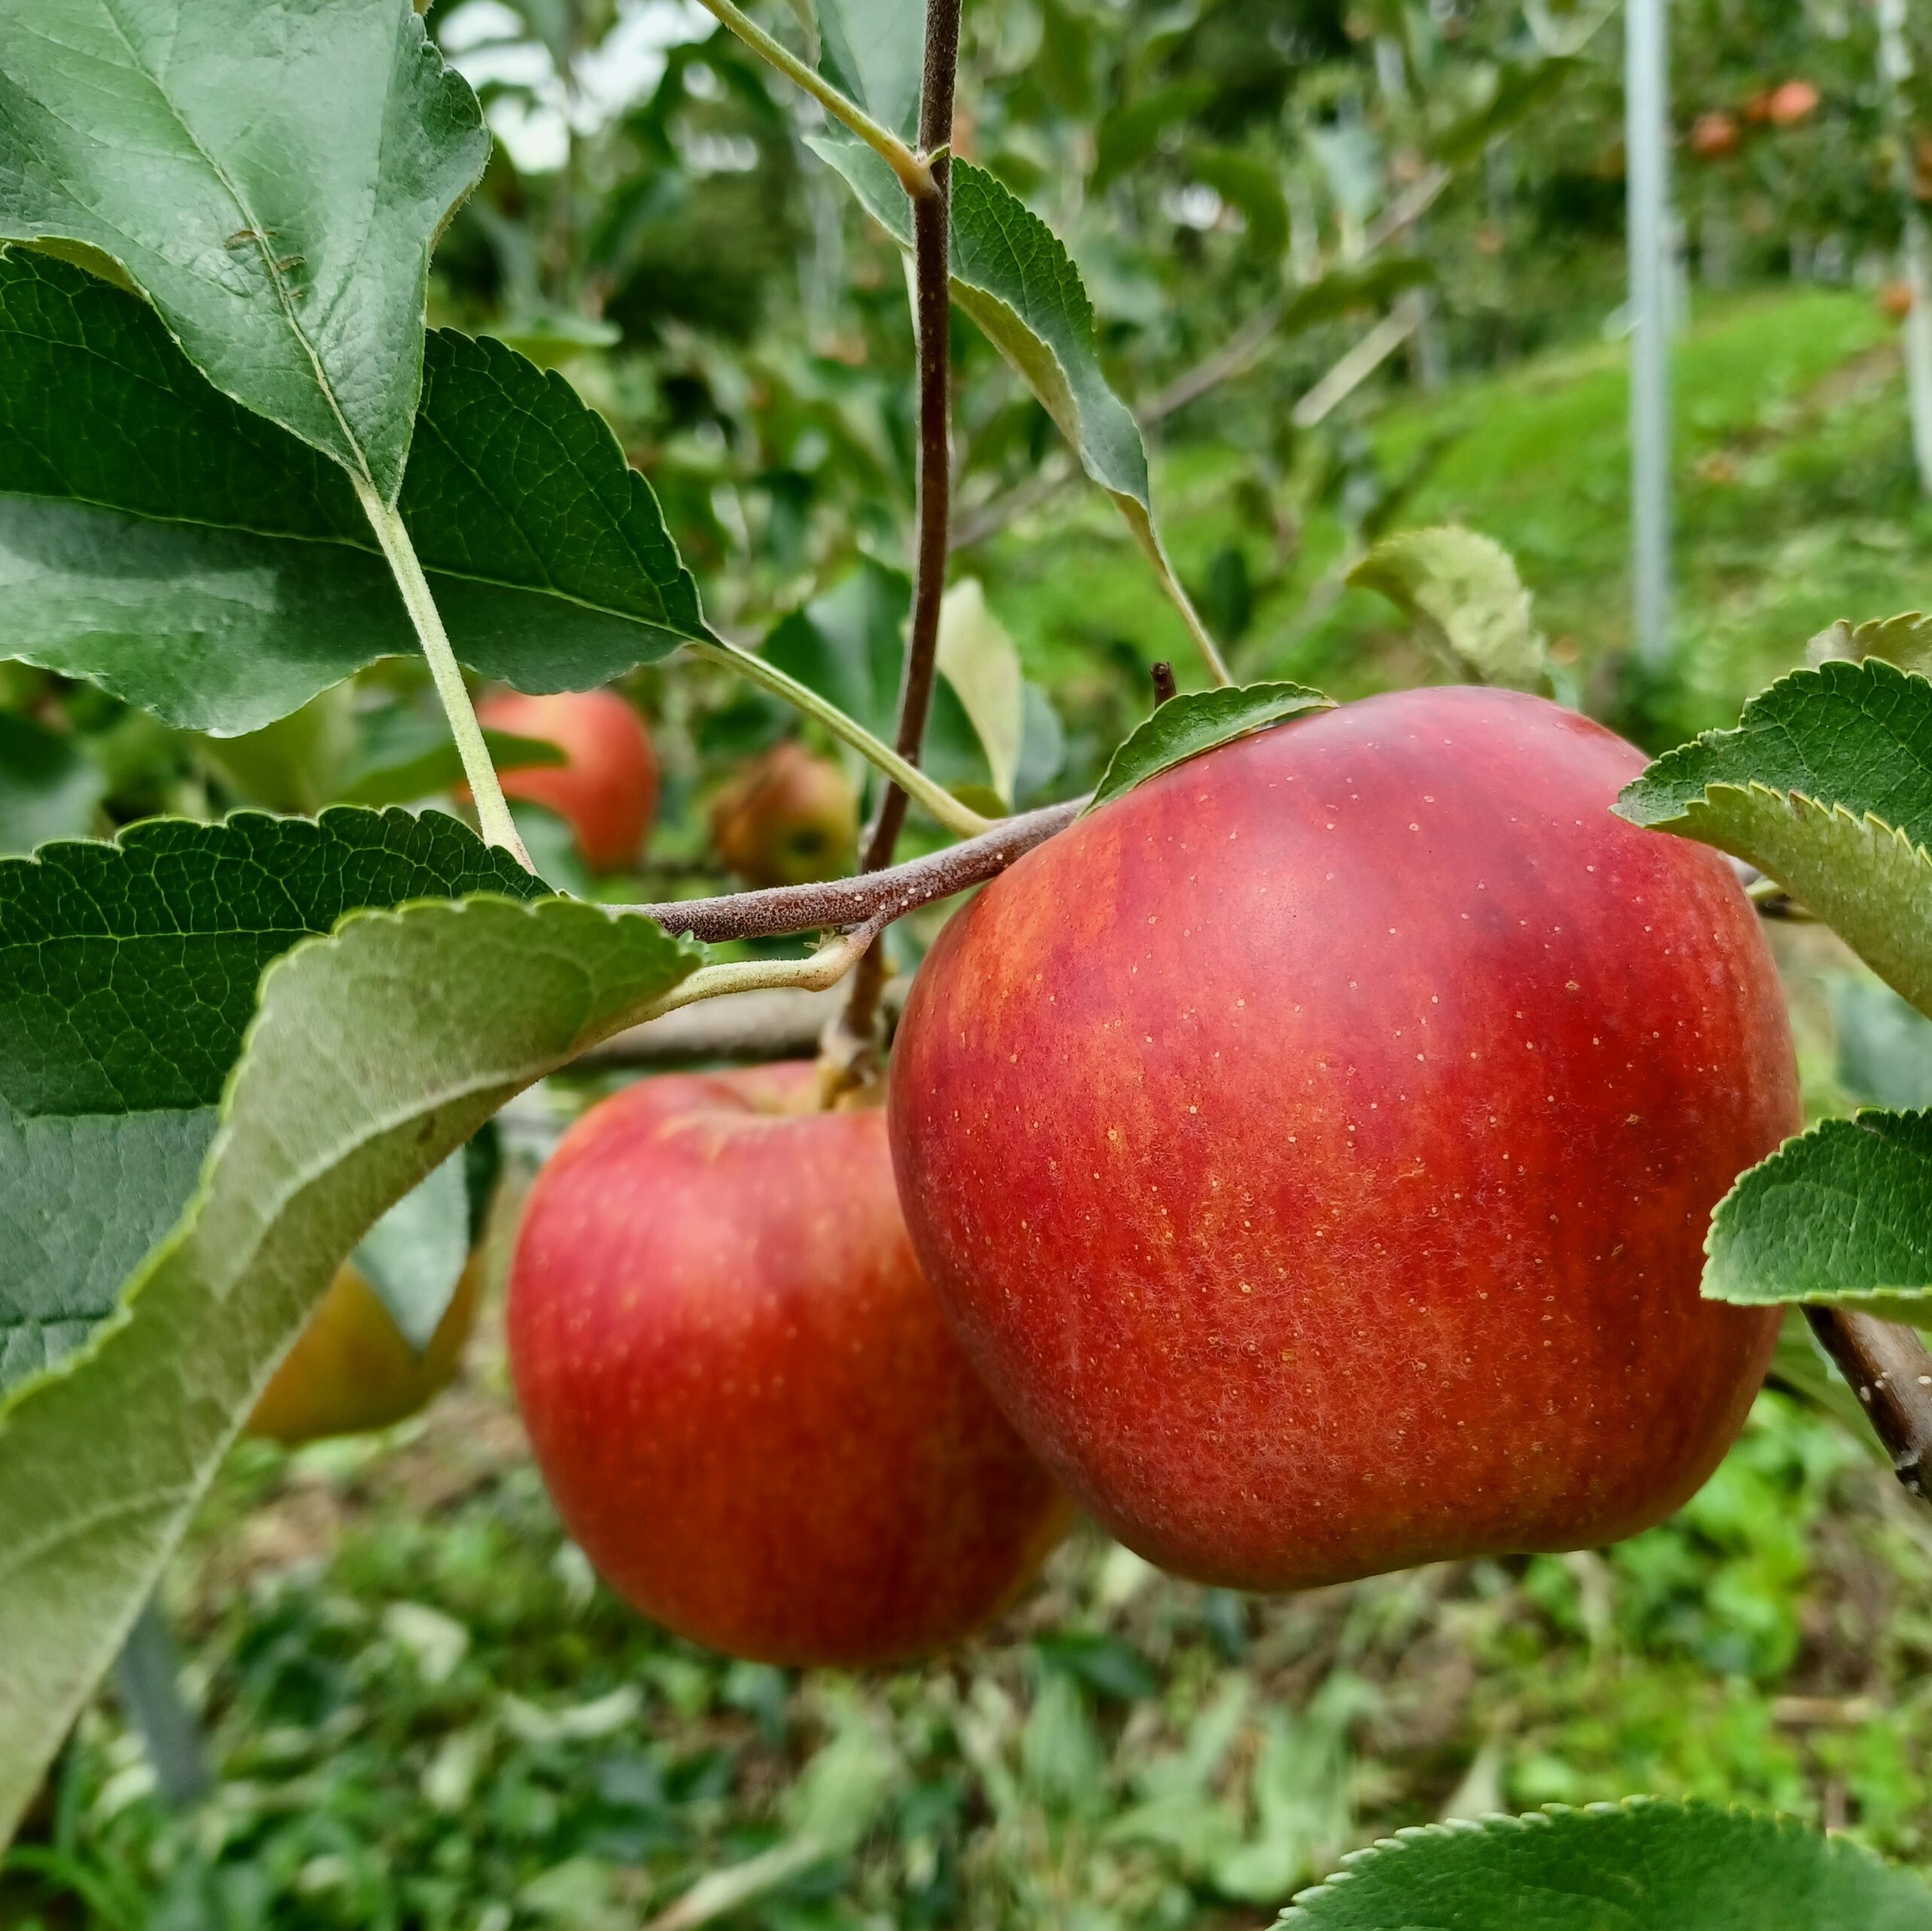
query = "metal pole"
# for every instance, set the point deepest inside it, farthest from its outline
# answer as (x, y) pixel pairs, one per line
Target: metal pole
(1646, 111)
(146, 1673)
(1895, 71)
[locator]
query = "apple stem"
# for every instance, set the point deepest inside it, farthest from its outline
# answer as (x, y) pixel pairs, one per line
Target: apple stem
(1891, 1372)
(884, 895)
(1165, 686)
(849, 1054)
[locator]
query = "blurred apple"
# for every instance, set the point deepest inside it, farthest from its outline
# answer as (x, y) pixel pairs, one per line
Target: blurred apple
(1714, 136)
(351, 1370)
(606, 790)
(1794, 101)
(787, 819)
(1895, 300)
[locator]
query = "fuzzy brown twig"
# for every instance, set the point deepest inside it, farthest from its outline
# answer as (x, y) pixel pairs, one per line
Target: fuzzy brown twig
(1891, 1372)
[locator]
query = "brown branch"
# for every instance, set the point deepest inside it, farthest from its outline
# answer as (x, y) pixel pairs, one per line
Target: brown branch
(842, 902)
(851, 1052)
(1891, 1372)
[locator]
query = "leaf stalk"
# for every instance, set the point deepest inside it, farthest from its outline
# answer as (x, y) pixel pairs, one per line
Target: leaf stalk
(492, 809)
(915, 177)
(961, 820)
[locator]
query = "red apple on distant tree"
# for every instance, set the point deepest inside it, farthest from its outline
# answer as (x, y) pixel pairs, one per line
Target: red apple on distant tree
(1314, 1147)
(1895, 300)
(606, 789)
(787, 819)
(742, 1394)
(1713, 136)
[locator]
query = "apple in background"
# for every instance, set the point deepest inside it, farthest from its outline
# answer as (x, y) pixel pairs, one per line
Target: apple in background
(1787, 106)
(1314, 1147)
(787, 819)
(741, 1394)
(1714, 136)
(607, 791)
(1895, 300)
(351, 1370)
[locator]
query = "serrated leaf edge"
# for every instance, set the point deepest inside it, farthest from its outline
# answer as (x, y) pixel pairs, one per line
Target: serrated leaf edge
(1317, 701)
(1415, 1836)
(1869, 1300)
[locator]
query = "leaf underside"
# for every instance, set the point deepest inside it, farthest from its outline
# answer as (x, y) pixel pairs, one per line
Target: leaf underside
(271, 176)
(1643, 1865)
(1185, 726)
(1826, 785)
(196, 560)
(1463, 589)
(128, 974)
(375, 1052)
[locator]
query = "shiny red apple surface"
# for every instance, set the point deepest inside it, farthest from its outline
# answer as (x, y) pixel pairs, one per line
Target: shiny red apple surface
(1314, 1147)
(606, 791)
(742, 1394)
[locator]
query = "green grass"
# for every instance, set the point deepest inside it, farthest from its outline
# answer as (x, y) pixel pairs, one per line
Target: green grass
(1795, 503)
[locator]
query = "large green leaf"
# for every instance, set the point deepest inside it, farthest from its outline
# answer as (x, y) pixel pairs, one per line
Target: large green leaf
(1842, 1215)
(1184, 728)
(373, 1054)
(1825, 784)
(1644, 1865)
(1014, 276)
(271, 176)
(1462, 589)
(196, 559)
(127, 980)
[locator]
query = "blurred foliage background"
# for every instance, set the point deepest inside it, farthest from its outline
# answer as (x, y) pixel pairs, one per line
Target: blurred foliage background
(424, 1710)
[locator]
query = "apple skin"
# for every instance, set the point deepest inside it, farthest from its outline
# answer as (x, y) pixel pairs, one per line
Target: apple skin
(743, 1396)
(1314, 1147)
(788, 819)
(607, 792)
(350, 1370)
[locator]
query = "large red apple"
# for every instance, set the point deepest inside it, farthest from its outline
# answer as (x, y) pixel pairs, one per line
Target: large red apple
(1314, 1147)
(742, 1394)
(606, 790)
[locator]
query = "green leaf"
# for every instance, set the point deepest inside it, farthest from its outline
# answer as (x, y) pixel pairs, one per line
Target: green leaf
(1463, 591)
(127, 980)
(979, 659)
(1643, 1865)
(1012, 274)
(1521, 87)
(848, 644)
(373, 1054)
(873, 52)
(271, 177)
(1842, 1215)
(196, 560)
(407, 754)
(1185, 726)
(1826, 785)
(1884, 1048)
(1905, 640)
(49, 787)
(413, 1257)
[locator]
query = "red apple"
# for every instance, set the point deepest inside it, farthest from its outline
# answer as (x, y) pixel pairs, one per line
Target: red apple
(1785, 106)
(742, 1394)
(607, 790)
(1313, 1148)
(1895, 300)
(1713, 136)
(787, 819)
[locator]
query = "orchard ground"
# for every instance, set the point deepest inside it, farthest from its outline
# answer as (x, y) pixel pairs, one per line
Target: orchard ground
(425, 1711)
